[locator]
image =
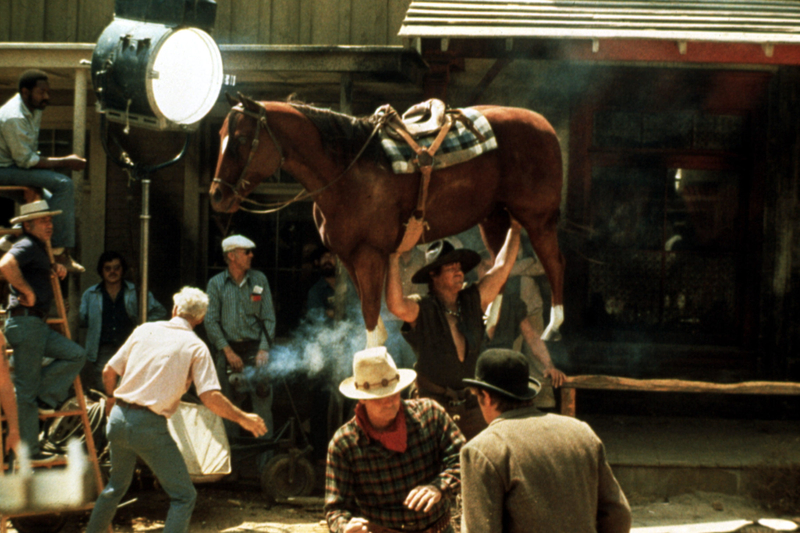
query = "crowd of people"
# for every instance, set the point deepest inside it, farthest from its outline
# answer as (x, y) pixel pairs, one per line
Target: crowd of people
(463, 421)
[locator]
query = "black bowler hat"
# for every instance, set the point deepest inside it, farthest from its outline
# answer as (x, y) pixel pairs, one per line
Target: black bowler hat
(442, 253)
(505, 372)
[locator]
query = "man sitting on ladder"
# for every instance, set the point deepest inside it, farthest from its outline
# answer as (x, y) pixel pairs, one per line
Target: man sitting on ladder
(27, 269)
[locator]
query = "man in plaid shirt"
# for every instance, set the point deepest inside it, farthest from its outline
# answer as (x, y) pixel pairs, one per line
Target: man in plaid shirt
(395, 465)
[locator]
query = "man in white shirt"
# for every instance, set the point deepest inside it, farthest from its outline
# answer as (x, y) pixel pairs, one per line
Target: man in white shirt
(145, 381)
(21, 164)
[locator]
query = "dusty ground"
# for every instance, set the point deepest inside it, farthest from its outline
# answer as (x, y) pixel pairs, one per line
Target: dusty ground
(226, 508)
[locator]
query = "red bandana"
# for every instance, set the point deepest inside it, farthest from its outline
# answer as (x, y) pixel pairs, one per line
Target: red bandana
(393, 438)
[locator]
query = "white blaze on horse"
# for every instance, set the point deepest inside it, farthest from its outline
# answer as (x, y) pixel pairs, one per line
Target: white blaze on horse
(361, 207)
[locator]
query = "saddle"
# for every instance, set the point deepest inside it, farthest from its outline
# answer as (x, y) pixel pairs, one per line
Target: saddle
(422, 120)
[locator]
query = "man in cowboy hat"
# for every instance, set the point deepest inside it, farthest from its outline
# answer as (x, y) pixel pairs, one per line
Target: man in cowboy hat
(531, 471)
(445, 328)
(394, 466)
(21, 164)
(241, 325)
(27, 268)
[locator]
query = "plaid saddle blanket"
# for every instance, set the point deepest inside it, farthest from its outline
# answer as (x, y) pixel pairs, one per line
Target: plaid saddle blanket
(459, 145)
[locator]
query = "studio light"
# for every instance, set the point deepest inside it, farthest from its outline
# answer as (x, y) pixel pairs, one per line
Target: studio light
(155, 67)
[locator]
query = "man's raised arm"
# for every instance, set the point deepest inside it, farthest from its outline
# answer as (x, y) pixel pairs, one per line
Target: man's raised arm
(403, 308)
(490, 285)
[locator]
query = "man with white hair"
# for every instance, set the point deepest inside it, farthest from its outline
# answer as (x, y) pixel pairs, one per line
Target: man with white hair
(241, 325)
(394, 466)
(145, 381)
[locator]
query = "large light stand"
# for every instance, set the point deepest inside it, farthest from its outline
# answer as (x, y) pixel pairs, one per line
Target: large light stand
(155, 67)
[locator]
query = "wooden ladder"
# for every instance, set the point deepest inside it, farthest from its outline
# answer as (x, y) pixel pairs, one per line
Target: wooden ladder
(60, 324)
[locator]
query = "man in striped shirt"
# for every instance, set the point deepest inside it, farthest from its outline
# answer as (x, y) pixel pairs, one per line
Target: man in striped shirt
(395, 465)
(240, 325)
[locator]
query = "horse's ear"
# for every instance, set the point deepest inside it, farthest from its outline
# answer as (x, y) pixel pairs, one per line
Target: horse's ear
(248, 102)
(231, 100)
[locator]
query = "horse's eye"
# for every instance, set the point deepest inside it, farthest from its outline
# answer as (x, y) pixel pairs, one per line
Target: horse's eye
(242, 140)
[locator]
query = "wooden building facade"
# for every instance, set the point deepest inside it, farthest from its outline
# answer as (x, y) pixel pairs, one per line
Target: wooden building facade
(679, 131)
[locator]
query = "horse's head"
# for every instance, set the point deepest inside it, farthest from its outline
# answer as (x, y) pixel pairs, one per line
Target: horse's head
(244, 160)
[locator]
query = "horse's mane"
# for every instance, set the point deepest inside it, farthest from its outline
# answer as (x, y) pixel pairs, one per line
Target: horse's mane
(343, 136)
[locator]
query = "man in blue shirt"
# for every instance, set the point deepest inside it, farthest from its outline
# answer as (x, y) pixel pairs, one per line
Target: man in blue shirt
(27, 268)
(110, 309)
(21, 164)
(240, 325)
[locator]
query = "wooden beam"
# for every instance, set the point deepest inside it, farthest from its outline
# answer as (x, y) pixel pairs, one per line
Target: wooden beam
(678, 385)
(488, 78)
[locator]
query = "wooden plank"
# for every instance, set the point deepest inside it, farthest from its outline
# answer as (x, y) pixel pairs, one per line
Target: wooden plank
(396, 14)
(306, 12)
(325, 22)
(61, 21)
(265, 22)
(5, 20)
(286, 22)
(27, 20)
(93, 17)
(368, 24)
(245, 21)
(222, 23)
(345, 22)
(677, 385)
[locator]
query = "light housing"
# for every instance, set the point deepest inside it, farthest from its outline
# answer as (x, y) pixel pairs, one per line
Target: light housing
(156, 73)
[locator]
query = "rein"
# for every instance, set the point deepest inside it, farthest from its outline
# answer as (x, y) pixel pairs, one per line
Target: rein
(274, 207)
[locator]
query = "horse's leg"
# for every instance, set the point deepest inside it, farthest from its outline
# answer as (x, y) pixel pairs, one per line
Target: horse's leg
(544, 239)
(369, 270)
(494, 229)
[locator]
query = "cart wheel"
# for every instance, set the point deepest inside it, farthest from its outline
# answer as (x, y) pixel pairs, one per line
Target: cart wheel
(285, 476)
(46, 523)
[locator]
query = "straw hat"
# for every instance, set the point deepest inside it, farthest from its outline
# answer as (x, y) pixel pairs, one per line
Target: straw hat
(504, 372)
(375, 376)
(443, 253)
(32, 210)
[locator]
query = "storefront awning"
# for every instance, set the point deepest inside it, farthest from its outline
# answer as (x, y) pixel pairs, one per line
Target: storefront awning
(746, 31)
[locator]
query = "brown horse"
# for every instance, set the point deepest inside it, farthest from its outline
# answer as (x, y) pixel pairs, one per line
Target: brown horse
(360, 206)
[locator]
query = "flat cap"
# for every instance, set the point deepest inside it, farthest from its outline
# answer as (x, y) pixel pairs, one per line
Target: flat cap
(236, 241)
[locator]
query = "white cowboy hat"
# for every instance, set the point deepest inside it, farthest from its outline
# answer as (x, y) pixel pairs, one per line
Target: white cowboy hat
(37, 209)
(375, 376)
(237, 241)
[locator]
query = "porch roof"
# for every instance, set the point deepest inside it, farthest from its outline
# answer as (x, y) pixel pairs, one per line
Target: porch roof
(747, 31)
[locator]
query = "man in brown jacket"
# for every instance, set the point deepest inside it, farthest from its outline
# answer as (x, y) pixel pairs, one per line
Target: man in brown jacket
(530, 471)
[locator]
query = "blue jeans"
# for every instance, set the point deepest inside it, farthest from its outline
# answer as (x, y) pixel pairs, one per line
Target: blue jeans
(59, 193)
(142, 433)
(33, 340)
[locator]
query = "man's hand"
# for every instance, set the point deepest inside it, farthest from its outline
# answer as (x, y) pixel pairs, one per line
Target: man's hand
(110, 401)
(356, 525)
(423, 498)
(12, 440)
(254, 424)
(233, 359)
(262, 358)
(557, 377)
(27, 298)
(73, 162)
(60, 270)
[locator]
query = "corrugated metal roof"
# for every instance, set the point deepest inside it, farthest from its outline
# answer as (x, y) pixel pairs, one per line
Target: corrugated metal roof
(745, 21)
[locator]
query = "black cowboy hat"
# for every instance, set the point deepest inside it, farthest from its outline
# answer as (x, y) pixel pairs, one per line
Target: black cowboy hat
(504, 372)
(442, 253)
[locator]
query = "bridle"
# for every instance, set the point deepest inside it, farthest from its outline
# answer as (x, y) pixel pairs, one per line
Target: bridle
(242, 182)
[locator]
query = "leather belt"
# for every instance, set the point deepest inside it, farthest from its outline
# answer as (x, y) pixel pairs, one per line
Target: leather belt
(452, 397)
(437, 527)
(27, 311)
(123, 403)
